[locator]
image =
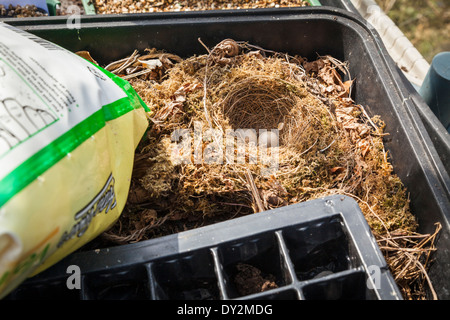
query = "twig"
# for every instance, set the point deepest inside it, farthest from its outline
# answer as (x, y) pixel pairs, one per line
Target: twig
(325, 149)
(254, 190)
(133, 75)
(207, 49)
(396, 248)
(370, 208)
(368, 118)
(205, 81)
(110, 66)
(309, 148)
(136, 236)
(234, 204)
(424, 272)
(128, 61)
(409, 253)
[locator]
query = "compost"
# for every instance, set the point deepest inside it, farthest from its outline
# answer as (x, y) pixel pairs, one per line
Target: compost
(185, 175)
(249, 280)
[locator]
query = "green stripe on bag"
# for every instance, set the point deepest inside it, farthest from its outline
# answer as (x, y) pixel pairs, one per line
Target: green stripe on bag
(47, 157)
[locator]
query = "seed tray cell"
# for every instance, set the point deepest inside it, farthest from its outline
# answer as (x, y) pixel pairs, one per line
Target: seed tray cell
(119, 284)
(319, 249)
(186, 277)
(349, 287)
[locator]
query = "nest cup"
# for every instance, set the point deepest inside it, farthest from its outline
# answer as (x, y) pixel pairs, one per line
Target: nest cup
(259, 104)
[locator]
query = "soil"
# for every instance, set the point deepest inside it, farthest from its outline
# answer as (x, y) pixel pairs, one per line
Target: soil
(249, 280)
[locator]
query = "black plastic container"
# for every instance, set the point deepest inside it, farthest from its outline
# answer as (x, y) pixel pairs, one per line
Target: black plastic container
(320, 249)
(440, 136)
(379, 87)
(340, 4)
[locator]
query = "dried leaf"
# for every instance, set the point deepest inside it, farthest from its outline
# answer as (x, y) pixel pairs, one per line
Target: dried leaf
(347, 85)
(337, 169)
(314, 66)
(86, 55)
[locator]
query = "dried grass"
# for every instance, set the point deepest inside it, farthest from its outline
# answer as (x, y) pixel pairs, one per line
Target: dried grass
(328, 145)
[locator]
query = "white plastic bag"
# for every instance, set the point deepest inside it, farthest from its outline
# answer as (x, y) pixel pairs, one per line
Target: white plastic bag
(68, 131)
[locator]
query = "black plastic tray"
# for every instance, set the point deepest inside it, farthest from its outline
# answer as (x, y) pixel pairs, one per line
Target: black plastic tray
(440, 137)
(320, 249)
(379, 87)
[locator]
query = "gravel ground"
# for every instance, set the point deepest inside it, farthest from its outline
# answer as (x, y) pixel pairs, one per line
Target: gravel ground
(65, 4)
(20, 11)
(426, 23)
(139, 6)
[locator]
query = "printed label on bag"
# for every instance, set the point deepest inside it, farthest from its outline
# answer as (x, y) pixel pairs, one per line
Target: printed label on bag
(35, 99)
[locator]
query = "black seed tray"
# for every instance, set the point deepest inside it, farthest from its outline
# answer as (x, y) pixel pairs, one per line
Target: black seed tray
(320, 249)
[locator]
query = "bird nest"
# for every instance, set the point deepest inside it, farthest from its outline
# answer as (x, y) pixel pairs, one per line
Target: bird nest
(191, 169)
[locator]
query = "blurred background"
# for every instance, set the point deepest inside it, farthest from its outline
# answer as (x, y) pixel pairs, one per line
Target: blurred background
(426, 23)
